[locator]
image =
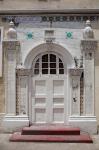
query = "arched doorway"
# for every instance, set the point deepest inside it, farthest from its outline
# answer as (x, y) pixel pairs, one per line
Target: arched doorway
(49, 89)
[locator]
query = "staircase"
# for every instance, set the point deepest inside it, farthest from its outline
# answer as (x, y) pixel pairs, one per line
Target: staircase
(50, 133)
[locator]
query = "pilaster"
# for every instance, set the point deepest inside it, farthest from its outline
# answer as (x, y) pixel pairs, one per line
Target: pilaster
(10, 56)
(75, 90)
(22, 90)
(11, 120)
(88, 48)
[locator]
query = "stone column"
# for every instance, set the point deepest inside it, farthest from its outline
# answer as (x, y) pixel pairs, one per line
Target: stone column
(88, 47)
(75, 91)
(11, 49)
(87, 121)
(12, 121)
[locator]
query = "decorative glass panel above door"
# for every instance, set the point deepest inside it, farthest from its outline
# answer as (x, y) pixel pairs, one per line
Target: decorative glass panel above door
(48, 64)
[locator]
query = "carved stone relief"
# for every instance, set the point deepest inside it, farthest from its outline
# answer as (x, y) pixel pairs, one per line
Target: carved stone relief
(88, 45)
(88, 31)
(21, 98)
(75, 77)
(78, 62)
(17, 95)
(21, 90)
(82, 94)
(88, 55)
(11, 45)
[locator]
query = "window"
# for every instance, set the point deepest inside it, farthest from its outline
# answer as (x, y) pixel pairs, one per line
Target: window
(48, 64)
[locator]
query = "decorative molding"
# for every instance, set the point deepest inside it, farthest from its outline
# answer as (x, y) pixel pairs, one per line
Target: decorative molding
(17, 95)
(50, 39)
(11, 45)
(52, 17)
(21, 94)
(23, 72)
(69, 35)
(29, 35)
(88, 45)
(82, 94)
(75, 71)
(53, 20)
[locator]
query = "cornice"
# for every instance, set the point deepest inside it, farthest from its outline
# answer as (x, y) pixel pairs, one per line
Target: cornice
(50, 11)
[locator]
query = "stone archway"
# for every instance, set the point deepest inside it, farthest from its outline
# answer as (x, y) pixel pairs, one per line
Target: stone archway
(41, 48)
(58, 115)
(48, 89)
(24, 73)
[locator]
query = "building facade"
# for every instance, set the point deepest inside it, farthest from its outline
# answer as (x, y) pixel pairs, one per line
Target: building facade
(49, 64)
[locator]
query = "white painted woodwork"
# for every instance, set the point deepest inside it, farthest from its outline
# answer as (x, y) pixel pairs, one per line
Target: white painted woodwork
(49, 100)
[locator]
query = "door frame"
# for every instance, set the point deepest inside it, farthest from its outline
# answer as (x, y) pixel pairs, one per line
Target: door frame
(63, 76)
(60, 77)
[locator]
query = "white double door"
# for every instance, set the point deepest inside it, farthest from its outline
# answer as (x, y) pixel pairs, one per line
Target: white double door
(49, 99)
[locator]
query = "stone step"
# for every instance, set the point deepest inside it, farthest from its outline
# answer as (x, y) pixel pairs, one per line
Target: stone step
(18, 137)
(50, 130)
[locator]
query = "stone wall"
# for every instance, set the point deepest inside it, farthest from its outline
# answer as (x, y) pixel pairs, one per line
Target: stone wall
(2, 99)
(48, 4)
(97, 85)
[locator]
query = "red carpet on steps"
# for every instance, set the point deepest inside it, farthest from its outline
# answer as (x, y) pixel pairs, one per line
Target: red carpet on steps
(50, 134)
(50, 130)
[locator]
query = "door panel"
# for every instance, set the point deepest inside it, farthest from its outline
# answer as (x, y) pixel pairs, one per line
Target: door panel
(49, 89)
(58, 115)
(40, 87)
(40, 115)
(39, 101)
(58, 101)
(58, 87)
(48, 100)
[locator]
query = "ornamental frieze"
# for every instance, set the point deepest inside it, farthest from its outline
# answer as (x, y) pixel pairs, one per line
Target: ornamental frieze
(88, 45)
(75, 71)
(50, 18)
(53, 20)
(11, 45)
(23, 72)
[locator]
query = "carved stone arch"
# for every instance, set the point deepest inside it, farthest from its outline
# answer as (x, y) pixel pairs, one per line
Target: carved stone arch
(67, 57)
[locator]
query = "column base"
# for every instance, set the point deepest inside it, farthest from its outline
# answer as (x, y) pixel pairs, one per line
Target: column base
(85, 123)
(13, 123)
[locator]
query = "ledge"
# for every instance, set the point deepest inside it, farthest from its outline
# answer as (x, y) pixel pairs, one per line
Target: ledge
(49, 11)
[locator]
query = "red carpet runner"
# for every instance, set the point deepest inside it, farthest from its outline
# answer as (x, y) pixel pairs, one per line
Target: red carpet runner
(50, 134)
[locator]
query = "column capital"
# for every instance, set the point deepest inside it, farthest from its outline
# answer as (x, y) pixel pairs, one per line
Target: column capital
(75, 71)
(89, 45)
(11, 45)
(23, 72)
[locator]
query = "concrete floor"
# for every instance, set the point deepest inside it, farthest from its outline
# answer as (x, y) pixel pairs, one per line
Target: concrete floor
(6, 145)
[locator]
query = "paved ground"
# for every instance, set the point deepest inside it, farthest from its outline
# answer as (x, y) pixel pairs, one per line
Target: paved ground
(6, 145)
